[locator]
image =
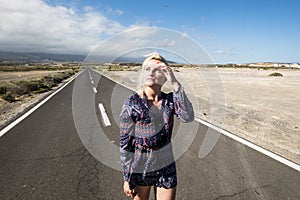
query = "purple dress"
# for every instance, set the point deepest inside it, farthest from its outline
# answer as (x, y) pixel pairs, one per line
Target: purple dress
(145, 138)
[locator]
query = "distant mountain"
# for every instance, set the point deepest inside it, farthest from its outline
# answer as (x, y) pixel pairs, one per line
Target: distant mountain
(23, 57)
(129, 60)
(135, 60)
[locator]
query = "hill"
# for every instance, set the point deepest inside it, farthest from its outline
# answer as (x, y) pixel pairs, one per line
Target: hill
(24, 57)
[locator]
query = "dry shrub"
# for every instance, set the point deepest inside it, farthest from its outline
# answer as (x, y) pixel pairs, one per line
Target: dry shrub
(276, 74)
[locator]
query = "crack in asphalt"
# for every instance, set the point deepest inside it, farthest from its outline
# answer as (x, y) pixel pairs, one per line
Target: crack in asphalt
(88, 184)
(241, 192)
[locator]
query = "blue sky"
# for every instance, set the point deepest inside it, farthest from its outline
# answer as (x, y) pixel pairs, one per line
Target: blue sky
(229, 31)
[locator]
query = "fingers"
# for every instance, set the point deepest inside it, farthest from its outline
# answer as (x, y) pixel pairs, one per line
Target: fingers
(166, 70)
(130, 193)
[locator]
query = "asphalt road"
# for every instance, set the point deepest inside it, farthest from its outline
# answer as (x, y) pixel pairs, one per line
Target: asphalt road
(46, 157)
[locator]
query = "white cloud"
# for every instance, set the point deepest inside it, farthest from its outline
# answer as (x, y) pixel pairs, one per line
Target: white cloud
(145, 40)
(36, 26)
(88, 8)
(116, 11)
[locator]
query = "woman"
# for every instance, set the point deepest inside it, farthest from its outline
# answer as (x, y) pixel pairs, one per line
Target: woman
(146, 124)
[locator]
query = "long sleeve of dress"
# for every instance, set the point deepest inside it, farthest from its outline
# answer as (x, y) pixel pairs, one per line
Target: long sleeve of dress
(183, 107)
(127, 128)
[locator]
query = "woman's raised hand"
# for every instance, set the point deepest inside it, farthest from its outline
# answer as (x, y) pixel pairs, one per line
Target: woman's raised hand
(170, 76)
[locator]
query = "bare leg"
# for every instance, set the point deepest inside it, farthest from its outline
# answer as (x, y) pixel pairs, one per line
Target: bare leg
(166, 194)
(142, 192)
(155, 193)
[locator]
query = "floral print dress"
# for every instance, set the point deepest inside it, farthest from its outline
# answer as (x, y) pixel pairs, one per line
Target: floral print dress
(145, 138)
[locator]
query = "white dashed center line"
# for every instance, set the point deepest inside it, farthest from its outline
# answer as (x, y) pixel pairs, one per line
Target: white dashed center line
(104, 116)
(95, 90)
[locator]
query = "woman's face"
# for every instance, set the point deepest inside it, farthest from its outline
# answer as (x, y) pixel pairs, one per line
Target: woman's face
(153, 74)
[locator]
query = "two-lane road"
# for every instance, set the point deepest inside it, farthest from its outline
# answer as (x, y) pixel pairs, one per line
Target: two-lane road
(43, 157)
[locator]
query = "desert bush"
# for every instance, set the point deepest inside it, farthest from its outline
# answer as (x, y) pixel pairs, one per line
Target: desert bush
(3, 89)
(52, 81)
(57, 79)
(48, 80)
(188, 66)
(275, 74)
(8, 96)
(66, 74)
(35, 86)
(115, 68)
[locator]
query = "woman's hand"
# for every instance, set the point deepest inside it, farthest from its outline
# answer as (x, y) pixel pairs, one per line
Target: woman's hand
(170, 76)
(130, 193)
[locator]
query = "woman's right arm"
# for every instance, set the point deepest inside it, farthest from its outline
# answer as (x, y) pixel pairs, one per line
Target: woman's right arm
(127, 127)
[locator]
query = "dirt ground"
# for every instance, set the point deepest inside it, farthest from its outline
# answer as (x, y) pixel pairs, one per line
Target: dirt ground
(247, 102)
(17, 76)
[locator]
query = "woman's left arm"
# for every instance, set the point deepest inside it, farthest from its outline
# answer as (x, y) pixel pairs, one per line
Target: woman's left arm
(183, 107)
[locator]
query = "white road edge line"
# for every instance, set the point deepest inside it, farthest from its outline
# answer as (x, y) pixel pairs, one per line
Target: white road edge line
(234, 137)
(104, 116)
(251, 145)
(22, 117)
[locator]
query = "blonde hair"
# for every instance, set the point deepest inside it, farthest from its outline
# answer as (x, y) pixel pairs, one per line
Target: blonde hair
(152, 56)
